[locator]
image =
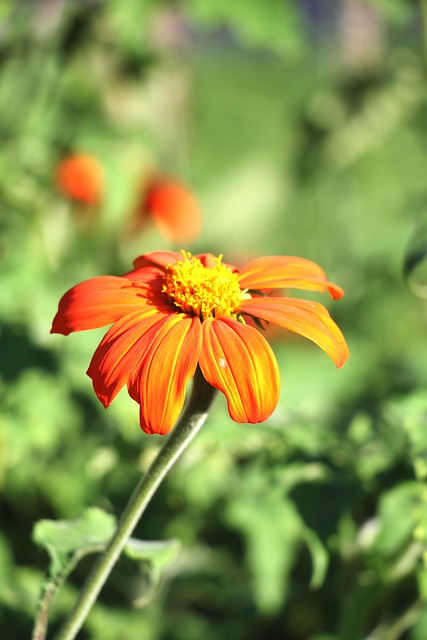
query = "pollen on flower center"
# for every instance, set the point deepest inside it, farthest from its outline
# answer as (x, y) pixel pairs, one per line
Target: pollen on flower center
(203, 291)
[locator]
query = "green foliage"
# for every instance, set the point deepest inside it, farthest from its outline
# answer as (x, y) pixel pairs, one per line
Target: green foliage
(68, 540)
(312, 526)
(272, 25)
(158, 552)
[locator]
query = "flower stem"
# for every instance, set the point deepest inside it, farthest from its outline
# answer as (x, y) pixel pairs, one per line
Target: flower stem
(189, 424)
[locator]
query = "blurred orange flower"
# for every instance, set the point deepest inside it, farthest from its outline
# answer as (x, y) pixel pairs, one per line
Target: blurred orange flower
(176, 311)
(173, 208)
(80, 178)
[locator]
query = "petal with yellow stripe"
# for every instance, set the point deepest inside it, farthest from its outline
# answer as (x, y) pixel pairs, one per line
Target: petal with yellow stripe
(237, 359)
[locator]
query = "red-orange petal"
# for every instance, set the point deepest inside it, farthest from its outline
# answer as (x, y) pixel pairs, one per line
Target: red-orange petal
(148, 274)
(237, 359)
(282, 272)
(96, 303)
(209, 260)
(309, 319)
(121, 351)
(159, 258)
(157, 261)
(159, 383)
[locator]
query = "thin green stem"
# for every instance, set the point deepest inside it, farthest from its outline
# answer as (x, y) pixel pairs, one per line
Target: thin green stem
(405, 622)
(188, 425)
(42, 618)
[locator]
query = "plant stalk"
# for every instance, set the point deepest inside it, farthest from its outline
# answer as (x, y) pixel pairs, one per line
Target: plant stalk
(187, 427)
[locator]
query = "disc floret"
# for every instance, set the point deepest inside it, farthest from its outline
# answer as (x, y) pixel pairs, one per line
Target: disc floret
(203, 291)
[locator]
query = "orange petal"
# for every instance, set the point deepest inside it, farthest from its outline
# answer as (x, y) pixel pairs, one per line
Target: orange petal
(121, 351)
(209, 260)
(281, 272)
(159, 383)
(239, 361)
(159, 258)
(309, 319)
(149, 274)
(96, 303)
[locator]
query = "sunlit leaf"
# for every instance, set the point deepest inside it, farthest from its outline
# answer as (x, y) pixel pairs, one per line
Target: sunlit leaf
(319, 558)
(395, 552)
(66, 541)
(157, 552)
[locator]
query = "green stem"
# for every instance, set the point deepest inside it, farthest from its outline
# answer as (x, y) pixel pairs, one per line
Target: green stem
(40, 625)
(185, 430)
(407, 620)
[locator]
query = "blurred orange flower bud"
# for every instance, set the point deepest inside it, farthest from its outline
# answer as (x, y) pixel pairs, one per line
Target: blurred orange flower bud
(173, 208)
(80, 177)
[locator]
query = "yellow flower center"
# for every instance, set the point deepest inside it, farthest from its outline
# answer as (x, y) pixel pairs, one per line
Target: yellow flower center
(203, 291)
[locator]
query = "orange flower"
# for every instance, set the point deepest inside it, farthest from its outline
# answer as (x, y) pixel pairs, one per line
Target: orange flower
(173, 208)
(80, 178)
(176, 311)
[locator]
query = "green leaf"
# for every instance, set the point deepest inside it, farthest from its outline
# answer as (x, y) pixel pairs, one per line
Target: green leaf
(397, 510)
(154, 555)
(157, 552)
(66, 541)
(271, 528)
(319, 558)
(398, 545)
(410, 414)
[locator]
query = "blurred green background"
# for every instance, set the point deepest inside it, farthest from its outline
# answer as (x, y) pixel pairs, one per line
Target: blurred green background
(301, 128)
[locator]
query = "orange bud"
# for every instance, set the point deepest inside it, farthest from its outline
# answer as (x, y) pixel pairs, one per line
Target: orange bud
(174, 209)
(80, 177)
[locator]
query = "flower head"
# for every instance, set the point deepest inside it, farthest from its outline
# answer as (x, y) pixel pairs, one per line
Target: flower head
(80, 178)
(176, 311)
